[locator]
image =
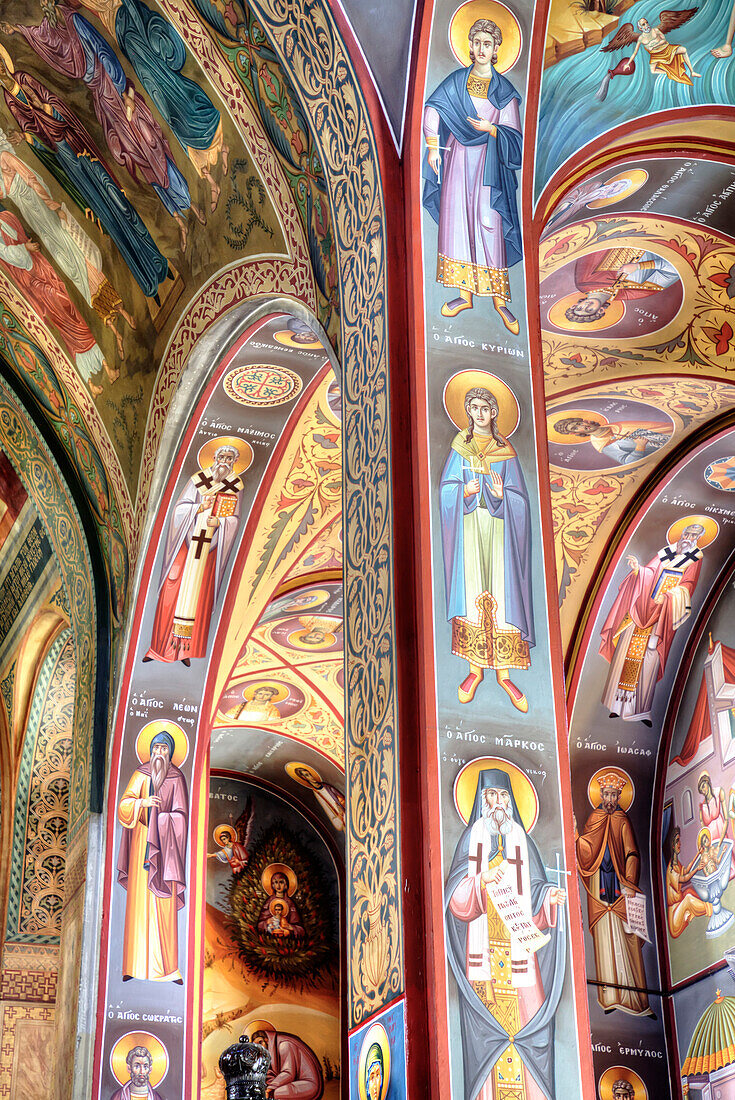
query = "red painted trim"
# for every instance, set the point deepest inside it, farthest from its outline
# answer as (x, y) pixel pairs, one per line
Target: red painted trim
(602, 145)
(373, 1019)
(436, 1078)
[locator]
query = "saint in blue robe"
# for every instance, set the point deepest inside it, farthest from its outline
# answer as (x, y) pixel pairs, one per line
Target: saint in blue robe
(487, 551)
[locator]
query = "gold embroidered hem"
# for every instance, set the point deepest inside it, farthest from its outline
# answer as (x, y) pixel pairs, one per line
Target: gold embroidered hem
(484, 644)
(486, 282)
(639, 640)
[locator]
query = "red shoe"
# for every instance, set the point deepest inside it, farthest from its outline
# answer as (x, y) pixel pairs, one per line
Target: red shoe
(468, 687)
(517, 698)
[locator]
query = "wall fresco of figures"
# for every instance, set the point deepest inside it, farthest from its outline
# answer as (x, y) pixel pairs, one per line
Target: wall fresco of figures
(606, 65)
(660, 577)
(697, 838)
(509, 997)
(231, 459)
(110, 210)
(271, 947)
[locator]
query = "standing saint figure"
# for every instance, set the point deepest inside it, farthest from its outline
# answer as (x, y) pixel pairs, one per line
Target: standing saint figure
(201, 535)
(653, 601)
(486, 538)
(472, 128)
(609, 865)
(151, 867)
(508, 990)
(330, 799)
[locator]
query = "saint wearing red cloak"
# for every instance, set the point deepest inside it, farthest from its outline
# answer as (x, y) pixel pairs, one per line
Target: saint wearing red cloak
(295, 1073)
(652, 603)
(200, 538)
(35, 277)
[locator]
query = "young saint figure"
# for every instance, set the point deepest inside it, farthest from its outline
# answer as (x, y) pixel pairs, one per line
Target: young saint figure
(473, 132)
(486, 539)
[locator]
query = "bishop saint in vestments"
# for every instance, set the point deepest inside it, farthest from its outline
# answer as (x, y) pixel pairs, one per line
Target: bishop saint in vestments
(508, 991)
(653, 602)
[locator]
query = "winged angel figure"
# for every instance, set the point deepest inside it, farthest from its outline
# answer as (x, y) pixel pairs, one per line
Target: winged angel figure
(665, 58)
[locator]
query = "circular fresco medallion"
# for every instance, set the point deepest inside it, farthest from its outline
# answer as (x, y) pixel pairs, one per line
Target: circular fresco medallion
(260, 386)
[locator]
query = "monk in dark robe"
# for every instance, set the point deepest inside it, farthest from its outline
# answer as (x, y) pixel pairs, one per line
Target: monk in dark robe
(609, 864)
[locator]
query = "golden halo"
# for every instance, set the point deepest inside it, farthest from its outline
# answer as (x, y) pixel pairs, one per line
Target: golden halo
(557, 311)
(285, 336)
(456, 388)
(375, 1034)
(281, 689)
(276, 868)
(625, 801)
(620, 1073)
(571, 440)
(291, 770)
(224, 833)
(258, 1025)
(205, 458)
(524, 792)
(466, 14)
(121, 1049)
(305, 600)
(700, 834)
(711, 530)
(637, 177)
(7, 59)
(149, 731)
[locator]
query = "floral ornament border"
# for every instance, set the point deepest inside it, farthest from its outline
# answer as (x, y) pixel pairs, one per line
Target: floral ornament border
(50, 495)
(304, 35)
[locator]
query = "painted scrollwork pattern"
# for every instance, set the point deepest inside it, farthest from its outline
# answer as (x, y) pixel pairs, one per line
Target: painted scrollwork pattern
(48, 491)
(36, 888)
(304, 36)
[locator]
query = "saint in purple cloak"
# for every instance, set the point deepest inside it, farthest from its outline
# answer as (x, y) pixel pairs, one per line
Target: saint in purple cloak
(68, 43)
(151, 867)
(486, 539)
(473, 132)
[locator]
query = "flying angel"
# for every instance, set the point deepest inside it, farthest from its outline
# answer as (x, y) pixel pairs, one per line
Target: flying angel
(234, 840)
(665, 58)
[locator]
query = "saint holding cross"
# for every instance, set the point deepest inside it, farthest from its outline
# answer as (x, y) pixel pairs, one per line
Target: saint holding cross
(505, 947)
(201, 534)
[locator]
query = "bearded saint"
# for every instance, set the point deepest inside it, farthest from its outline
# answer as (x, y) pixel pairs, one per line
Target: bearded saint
(151, 867)
(652, 603)
(609, 864)
(508, 991)
(201, 535)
